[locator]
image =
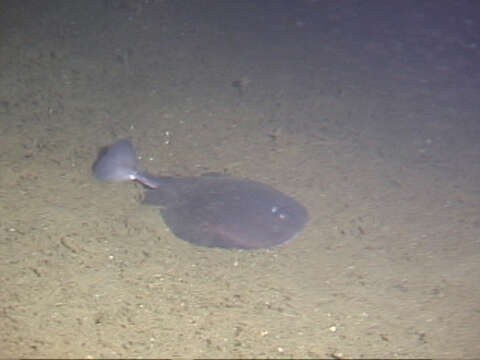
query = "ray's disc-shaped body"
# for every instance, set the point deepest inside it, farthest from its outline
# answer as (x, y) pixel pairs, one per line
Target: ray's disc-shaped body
(227, 212)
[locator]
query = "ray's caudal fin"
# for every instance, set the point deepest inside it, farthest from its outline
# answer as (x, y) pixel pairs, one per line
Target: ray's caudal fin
(118, 163)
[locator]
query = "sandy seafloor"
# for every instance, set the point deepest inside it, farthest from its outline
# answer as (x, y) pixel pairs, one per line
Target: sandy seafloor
(366, 112)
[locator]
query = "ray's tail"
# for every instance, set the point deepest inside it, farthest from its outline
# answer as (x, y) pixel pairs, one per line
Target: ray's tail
(118, 163)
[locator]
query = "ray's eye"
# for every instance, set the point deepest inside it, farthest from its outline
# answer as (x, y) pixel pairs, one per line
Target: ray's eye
(276, 211)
